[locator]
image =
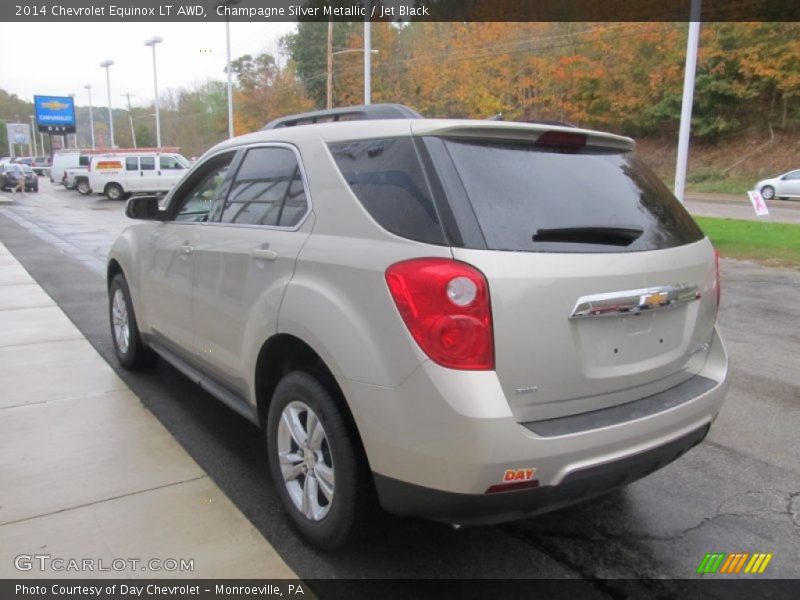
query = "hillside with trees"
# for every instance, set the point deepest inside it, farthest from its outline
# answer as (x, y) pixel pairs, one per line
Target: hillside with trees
(622, 77)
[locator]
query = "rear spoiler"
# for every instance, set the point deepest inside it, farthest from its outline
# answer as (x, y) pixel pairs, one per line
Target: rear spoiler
(545, 134)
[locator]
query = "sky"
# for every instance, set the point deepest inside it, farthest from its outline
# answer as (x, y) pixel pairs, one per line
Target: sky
(60, 59)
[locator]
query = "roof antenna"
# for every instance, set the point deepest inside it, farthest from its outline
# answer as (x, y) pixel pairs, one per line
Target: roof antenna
(497, 117)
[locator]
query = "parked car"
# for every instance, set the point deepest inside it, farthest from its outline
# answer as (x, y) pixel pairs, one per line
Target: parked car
(23, 160)
(31, 178)
(11, 174)
(41, 165)
(478, 320)
(783, 186)
(120, 175)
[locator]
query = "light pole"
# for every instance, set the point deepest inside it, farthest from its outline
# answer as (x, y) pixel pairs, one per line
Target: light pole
(152, 42)
(91, 116)
(106, 64)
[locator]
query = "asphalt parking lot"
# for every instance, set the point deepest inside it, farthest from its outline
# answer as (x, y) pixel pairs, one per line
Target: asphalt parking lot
(737, 492)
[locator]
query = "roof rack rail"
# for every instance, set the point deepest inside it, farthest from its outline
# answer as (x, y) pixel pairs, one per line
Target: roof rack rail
(346, 113)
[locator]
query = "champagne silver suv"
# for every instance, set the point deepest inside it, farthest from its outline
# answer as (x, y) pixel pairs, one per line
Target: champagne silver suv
(474, 321)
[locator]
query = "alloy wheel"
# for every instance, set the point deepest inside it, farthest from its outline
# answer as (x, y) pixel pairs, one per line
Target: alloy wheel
(119, 318)
(305, 460)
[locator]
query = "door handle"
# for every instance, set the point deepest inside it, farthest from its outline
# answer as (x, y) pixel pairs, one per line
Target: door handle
(263, 254)
(186, 249)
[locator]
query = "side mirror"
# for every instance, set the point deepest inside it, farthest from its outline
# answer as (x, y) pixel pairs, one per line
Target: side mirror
(143, 208)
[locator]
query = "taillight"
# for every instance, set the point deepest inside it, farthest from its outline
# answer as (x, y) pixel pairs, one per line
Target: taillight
(445, 305)
(717, 288)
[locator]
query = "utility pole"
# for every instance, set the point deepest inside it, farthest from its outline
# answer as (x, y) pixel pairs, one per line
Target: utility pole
(130, 116)
(329, 103)
(688, 99)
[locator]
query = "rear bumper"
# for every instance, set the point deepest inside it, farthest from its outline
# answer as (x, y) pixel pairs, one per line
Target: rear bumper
(404, 498)
(440, 440)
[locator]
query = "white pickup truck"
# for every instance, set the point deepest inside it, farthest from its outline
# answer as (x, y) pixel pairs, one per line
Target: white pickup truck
(77, 178)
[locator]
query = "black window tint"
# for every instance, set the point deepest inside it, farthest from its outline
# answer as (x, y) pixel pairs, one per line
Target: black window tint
(148, 163)
(539, 199)
(200, 195)
(267, 190)
(131, 163)
(387, 178)
(83, 161)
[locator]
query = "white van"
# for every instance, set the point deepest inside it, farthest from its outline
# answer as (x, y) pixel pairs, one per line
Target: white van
(120, 175)
(66, 159)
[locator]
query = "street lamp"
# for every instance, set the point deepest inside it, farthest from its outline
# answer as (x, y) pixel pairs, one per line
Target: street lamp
(152, 42)
(106, 64)
(227, 4)
(91, 117)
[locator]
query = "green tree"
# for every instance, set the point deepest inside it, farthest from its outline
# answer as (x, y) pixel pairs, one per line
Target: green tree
(308, 51)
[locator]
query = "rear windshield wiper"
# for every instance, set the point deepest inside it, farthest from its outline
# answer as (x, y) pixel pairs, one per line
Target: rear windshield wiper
(609, 236)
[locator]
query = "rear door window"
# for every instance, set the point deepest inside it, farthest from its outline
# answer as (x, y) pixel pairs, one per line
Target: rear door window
(531, 198)
(131, 163)
(268, 190)
(148, 163)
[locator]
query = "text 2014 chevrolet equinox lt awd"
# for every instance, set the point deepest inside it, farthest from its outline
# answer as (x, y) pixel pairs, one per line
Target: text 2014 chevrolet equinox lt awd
(475, 321)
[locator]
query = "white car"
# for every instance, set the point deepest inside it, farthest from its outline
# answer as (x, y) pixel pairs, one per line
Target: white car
(783, 186)
(119, 175)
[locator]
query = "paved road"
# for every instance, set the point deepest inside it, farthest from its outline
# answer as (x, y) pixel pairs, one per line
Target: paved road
(739, 491)
(739, 207)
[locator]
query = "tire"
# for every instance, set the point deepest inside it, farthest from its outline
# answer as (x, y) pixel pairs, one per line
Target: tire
(767, 192)
(333, 463)
(83, 187)
(128, 346)
(114, 191)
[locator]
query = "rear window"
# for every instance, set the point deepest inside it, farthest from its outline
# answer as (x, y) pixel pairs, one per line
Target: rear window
(529, 198)
(387, 178)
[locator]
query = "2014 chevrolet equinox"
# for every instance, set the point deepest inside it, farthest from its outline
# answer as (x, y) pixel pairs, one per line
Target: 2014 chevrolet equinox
(479, 320)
